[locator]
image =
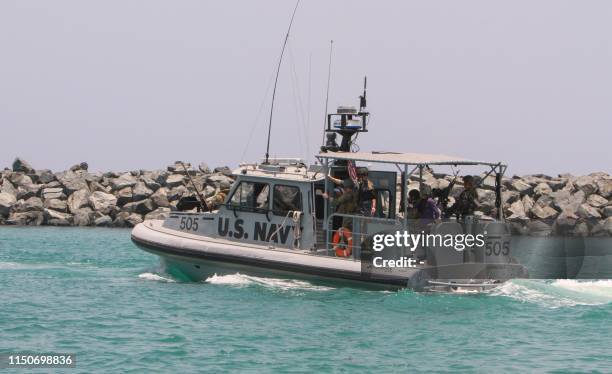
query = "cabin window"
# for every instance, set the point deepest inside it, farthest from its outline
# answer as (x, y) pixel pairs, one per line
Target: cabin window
(286, 198)
(382, 203)
(251, 196)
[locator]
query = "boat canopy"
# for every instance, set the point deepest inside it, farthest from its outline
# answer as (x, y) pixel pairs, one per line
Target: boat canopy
(404, 158)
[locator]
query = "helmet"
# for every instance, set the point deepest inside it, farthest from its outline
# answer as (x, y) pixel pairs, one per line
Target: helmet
(224, 185)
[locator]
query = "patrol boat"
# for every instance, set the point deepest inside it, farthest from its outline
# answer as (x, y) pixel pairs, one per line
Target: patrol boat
(277, 221)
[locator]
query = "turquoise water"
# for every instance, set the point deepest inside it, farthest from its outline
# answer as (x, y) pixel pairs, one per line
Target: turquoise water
(92, 292)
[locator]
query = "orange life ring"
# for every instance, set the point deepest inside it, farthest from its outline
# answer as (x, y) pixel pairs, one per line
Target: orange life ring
(343, 248)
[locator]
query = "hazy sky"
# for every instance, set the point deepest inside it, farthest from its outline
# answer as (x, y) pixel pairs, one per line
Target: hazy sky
(138, 84)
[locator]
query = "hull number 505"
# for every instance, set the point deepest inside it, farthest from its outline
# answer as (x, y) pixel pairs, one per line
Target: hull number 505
(189, 223)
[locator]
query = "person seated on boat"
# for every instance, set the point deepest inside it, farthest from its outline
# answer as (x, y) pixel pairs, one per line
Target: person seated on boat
(467, 202)
(215, 201)
(366, 194)
(346, 203)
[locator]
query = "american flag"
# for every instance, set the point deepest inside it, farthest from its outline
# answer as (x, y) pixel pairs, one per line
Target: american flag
(352, 171)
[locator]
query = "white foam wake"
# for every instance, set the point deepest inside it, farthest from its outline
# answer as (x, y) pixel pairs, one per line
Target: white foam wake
(274, 283)
(155, 277)
(558, 293)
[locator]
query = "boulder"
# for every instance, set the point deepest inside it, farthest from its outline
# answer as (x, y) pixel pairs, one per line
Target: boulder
(8, 187)
(45, 176)
(20, 179)
(102, 202)
(32, 218)
(29, 205)
(528, 203)
(142, 207)
(178, 192)
(104, 221)
(607, 211)
(149, 182)
(509, 197)
(204, 168)
(216, 179)
(604, 186)
(159, 213)
(557, 183)
(520, 186)
(73, 181)
(588, 212)
(542, 189)
(123, 181)
(563, 199)
(98, 186)
(83, 217)
(56, 204)
(586, 184)
(55, 218)
(22, 165)
(543, 212)
(223, 170)
(126, 219)
(140, 191)
(517, 211)
(7, 200)
(124, 195)
(81, 166)
(53, 193)
(78, 200)
(603, 228)
(597, 201)
(175, 180)
(160, 198)
(27, 191)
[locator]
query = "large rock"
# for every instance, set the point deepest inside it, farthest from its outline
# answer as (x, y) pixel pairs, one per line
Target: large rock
(603, 228)
(160, 198)
(7, 200)
(124, 180)
(175, 180)
(223, 170)
(45, 176)
(204, 168)
(149, 182)
(29, 205)
(78, 200)
(53, 193)
(141, 207)
(528, 203)
(56, 204)
(28, 190)
(586, 184)
(32, 218)
(124, 196)
(126, 219)
(102, 202)
(607, 211)
(588, 212)
(159, 213)
(8, 187)
(20, 179)
(520, 186)
(542, 189)
(517, 211)
(22, 165)
(597, 201)
(81, 166)
(83, 217)
(543, 212)
(178, 192)
(55, 218)
(103, 221)
(73, 181)
(564, 200)
(604, 186)
(140, 191)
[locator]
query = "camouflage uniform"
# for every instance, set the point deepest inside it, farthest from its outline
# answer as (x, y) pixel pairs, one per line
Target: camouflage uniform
(466, 202)
(216, 200)
(347, 204)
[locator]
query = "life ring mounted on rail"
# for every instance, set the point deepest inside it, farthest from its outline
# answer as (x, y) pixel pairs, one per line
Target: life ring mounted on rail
(343, 242)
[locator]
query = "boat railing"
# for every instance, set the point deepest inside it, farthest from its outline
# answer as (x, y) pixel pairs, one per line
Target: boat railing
(356, 227)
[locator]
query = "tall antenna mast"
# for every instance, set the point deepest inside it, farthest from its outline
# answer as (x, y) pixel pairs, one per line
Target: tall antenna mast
(331, 48)
(280, 60)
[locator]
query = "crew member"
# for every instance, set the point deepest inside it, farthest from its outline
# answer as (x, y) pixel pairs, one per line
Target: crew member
(218, 198)
(466, 203)
(346, 203)
(366, 194)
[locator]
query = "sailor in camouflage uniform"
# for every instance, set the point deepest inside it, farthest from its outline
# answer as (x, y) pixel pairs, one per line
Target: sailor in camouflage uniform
(218, 198)
(466, 203)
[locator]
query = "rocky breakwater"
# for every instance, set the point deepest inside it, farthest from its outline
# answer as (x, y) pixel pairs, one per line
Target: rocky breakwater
(539, 204)
(77, 197)
(534, 204)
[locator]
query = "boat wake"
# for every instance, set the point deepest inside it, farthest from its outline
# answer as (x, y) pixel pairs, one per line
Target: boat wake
(557, 293)
(156, 277)
(242, 280)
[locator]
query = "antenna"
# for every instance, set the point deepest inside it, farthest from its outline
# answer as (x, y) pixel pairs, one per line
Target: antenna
(362, 98)
(280, 60)
(331, 47)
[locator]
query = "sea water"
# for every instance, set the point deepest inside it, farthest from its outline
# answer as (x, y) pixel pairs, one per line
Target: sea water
(91, 292)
